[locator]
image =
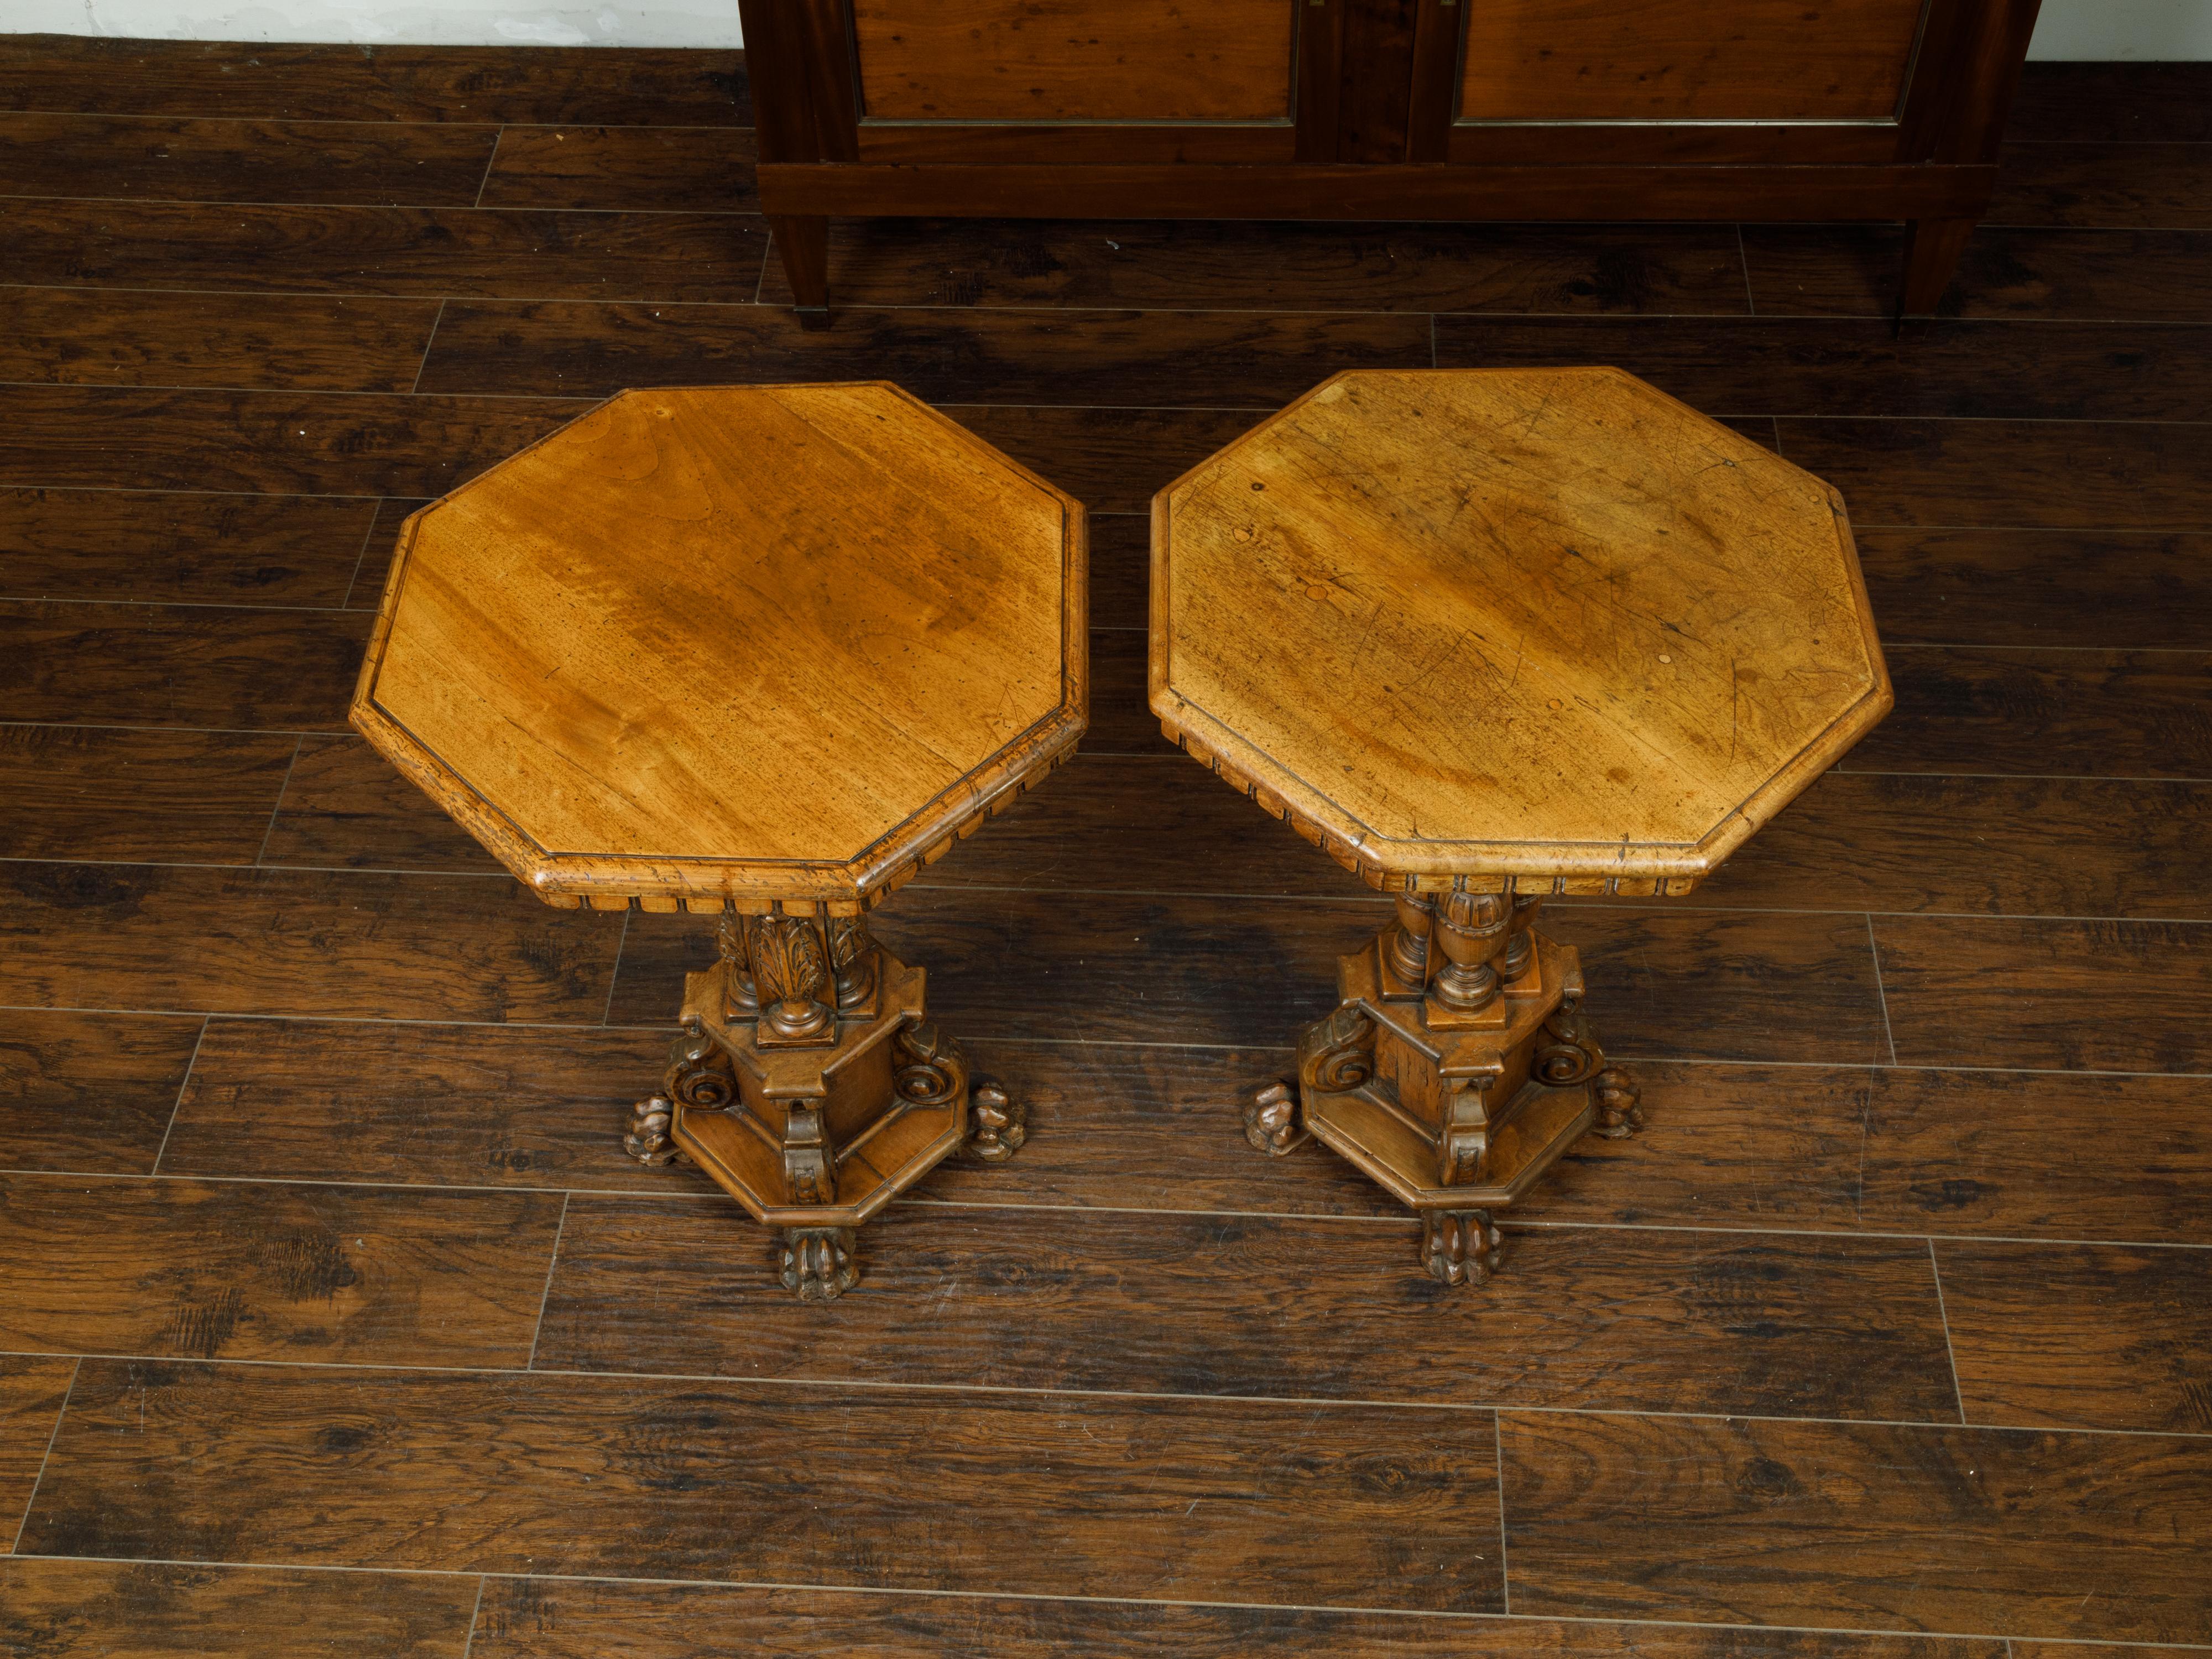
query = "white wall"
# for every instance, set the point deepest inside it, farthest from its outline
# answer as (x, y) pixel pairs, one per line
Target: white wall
(2069, 28)
(446, 24)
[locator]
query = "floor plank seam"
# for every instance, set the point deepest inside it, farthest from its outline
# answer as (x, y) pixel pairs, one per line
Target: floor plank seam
(52, 1435)
(429, 344)
(923, 1203)
(490, 162)
(1249, 1046)
(375, 514)
(614, 972)
(545, 1295)
(1950, 1350)
(278, 810)
(1881, 993)
(1504, 1567)
(1358, 1609)
(803, 1383)
(475, 1612)
(176, 1106)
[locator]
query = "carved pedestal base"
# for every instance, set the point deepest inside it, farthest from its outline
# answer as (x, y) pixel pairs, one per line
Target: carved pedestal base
(811, 1086)
(1456, 1071)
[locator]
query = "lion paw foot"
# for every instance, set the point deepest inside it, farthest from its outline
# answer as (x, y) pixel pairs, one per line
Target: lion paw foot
(997, 1125)
(1272, 1119)
(1620, 1104)
(1460, 1246)
(819, 1263)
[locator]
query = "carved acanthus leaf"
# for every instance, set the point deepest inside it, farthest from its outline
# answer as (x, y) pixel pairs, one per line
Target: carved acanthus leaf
(787, 958)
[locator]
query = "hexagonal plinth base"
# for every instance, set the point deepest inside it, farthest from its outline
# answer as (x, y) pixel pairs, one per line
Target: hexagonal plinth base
(876, 1141)
(816, 1138)
(1458, 1123)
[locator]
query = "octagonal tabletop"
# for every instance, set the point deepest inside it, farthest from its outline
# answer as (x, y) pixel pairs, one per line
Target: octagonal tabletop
(1529, 629)
(742, 643)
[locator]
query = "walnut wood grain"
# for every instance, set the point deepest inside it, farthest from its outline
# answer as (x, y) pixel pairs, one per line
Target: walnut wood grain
(1601, 1319)
(1749, 672)
(140, 1610)
(1111, 460)
(1947, 1152)
(515, 253)
(1892, 841)
(2023, 474)
(1215, 1501)
(1302, 267)
(1062, 60)
(2165, 102)
(555, 732)
(608, 169)
(2130, 996)
(2019, 1534)
(2114, 588)
(268, 941)
(184, 796)
(1604, 188)
(2105, 185)
(1147, 359)
(2140, 276)
(1939, 367)
(282, 1099)
(156, 545)
(1748, 986)
(548, 1619)
(1953, 1152)
(344, 807)
(86, 338)
(2080, 1336)
(355, 1275)
(2020, 846)
(282, 442)
(32, 1389)
(203, 666)
(164, 158)
(89, 1091)
(2039, 710)
(1680, 60)
(367, 590)
(2028, 846)
(277, 80)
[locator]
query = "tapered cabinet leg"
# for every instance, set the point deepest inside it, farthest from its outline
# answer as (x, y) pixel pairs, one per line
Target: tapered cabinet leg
(803, 240)
(1932, 247)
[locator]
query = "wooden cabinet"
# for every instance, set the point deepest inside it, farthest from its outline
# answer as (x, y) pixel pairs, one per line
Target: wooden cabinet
(1383, 109)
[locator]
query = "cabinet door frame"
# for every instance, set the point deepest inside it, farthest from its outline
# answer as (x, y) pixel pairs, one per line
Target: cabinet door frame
(1956, 79)
(811, 50)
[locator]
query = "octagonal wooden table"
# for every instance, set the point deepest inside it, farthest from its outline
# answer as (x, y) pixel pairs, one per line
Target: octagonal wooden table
(1484, 636)
(763, 652)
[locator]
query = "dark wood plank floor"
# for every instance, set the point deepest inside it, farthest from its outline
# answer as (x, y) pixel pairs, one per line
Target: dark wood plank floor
(332, 1318)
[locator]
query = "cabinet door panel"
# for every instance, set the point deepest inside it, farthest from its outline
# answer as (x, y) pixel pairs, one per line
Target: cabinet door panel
(1687, 60)
(1074, 60)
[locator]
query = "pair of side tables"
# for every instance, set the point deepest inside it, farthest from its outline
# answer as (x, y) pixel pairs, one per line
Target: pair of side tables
(767, 652)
